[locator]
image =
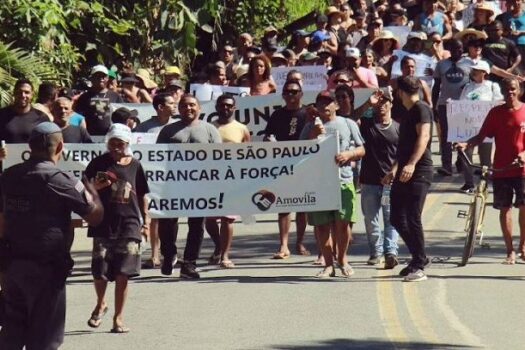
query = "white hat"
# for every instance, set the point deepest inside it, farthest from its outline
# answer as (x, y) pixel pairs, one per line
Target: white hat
(99, 68)
(481, 65)
(121, 132)
(353, 52)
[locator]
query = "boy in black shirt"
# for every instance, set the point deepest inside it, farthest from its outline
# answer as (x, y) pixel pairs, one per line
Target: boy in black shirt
(121, 183)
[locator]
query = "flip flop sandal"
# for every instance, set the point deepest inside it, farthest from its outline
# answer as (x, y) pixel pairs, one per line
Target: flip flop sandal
(227, 264)
(119, 330)
(509, 261)
(281, 255)
(96, 319)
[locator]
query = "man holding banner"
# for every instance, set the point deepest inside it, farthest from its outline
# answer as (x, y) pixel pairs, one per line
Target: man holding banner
(189, 129)
(506, 123)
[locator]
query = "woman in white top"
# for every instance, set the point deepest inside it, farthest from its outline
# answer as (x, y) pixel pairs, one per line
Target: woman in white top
(479, 89)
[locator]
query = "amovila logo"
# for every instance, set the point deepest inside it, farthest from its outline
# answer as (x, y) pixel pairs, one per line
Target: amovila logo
(263, 199)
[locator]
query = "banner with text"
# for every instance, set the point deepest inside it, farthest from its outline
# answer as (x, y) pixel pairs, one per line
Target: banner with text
(465, 118)
(225, 179)
(207, 92)
(253, 111)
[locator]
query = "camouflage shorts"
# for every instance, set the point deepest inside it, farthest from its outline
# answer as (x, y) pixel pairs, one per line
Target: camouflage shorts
(112, 257)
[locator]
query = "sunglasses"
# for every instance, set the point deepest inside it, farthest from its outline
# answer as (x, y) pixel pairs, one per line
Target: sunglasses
(291, 92)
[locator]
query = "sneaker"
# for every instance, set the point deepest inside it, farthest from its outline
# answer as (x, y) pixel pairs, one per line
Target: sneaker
(189, 272)
(167, 265)
(415, 276)
(468, 189)
(346, 270)
(373, 260)
(444, 172)
(406, 271)
(326, 272)
(391, 261)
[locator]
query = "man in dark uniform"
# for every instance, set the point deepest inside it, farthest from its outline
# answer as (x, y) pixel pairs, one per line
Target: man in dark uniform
(36, 206)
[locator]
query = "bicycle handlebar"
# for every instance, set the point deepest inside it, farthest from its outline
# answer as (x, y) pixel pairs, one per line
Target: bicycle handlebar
(515, 164)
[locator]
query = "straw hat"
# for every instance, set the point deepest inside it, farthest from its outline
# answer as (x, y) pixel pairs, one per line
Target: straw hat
(484, 7)
(385, 35)
(331, 10)
(478, 34)
(143, 74)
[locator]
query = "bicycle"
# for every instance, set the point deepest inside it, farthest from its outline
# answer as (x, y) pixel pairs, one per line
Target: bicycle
(476, 211)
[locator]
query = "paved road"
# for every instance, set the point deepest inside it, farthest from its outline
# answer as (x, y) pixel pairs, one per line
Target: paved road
(269, 304)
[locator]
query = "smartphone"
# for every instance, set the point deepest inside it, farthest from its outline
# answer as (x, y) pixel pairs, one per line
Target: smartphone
(102, 176)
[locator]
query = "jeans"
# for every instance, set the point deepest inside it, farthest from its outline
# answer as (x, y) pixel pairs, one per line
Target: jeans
(379, 242)
(407, 201)
(446, 147)
(168, 230)
(485, 158)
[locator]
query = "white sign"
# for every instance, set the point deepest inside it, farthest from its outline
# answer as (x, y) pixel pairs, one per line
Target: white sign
(400, 32)
(225, 179)
(253, 111)
(136, 138)
(465, 118)
(422, 63)
(314, 77)
(207, 92)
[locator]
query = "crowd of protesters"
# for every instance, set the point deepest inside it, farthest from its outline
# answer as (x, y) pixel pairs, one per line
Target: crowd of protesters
(472, 51)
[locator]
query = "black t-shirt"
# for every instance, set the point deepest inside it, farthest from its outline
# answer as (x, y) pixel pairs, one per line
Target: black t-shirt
(76, 134)
(419, 113)
(16, 128)
(286, 124)
(380, 147)
(37, 201)
(502, 53)
(122, 215)
(95, 108)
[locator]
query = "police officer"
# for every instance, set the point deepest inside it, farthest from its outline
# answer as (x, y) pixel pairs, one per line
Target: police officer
(36, 206)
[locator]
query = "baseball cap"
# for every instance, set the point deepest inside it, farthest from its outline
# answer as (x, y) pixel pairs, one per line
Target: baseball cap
(112, 74)
(129, 79)
(319, 36)
(387, 94)
(40, 132)
(99, 68)
(308, 56)
(119, 131)
(359, 14)
(176, 83)
(481, 65)
(270, 29)
(417, 35)
(325, 94)
(321, 19)
(171, 70)
(121, 114)
(352, 52)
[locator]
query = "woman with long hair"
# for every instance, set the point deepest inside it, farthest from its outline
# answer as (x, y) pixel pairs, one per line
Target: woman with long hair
(259, 75)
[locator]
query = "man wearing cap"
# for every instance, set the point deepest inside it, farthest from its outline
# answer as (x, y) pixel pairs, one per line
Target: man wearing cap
(285, 124)
(373, 32)
(18, 120)
(357, 31)
(37, 201)
(244, 42)
(62, 111)
(381, 135)
(125, 116)
(170, 73)
(308, 59)
(339, 222)
(362, 77)
(226, 56)
(411, 176)
(189, 129)
(450, 76)
(121, 183)
(323, 36)
(94, 104)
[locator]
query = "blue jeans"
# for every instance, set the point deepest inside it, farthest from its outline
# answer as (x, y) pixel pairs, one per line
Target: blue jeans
(379, 242)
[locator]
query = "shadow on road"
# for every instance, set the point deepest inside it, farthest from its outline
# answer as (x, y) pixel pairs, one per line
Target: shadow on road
(370, 344)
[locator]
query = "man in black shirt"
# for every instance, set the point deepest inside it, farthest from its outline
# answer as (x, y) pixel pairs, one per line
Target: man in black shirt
(62, 111)
(286, 124)
(94, 103)
(18, 120)
(37, 201)
(500, 51)
(411, 176)
(381, 135)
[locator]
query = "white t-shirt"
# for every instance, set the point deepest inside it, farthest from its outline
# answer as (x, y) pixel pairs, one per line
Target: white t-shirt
(485, 91)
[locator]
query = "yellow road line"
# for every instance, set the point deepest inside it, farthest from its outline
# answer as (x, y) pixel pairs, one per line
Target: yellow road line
(388, 310)
(417, 314)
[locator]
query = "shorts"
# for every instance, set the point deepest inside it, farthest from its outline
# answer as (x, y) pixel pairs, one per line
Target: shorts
(347, 212)
(505, 189)
(112, 257)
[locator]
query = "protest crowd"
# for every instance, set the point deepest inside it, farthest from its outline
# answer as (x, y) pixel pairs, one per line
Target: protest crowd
(381, 77)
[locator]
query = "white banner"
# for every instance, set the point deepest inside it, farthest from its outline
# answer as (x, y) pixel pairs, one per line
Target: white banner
(225, 179)
(253, 111)
(314, 77)
(465, 118)
(207, 92)
(422, 63)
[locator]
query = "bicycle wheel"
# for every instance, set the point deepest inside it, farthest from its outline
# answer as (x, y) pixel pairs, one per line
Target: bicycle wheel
(475, 217)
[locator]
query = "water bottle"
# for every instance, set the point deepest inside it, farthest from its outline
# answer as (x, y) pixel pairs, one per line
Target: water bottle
(385, 197)
(512, 26)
